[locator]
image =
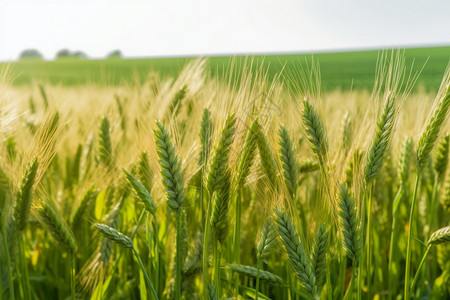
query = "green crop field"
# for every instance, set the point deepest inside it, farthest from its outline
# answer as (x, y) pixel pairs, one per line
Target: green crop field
(343, 70)
(211, 179)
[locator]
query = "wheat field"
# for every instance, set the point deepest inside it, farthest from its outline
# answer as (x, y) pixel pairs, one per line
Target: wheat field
(229, 187)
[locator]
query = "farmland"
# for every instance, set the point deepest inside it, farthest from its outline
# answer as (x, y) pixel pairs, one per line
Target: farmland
(344, 70)
(219, 179)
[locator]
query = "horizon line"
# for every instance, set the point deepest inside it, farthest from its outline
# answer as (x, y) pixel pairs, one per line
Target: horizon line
(261, 53)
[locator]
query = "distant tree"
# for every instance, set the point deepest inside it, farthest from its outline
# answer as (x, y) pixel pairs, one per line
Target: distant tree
(66, 53)
(63, 53)
(30, 54)
(115, 54)
(79, 54)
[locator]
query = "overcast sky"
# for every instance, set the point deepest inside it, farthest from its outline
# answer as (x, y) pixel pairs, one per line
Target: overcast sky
(195, 27)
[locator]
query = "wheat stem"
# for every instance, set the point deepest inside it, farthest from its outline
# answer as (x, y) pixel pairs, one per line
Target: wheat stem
(369, 239)
(393, 244)
(206, 234)
(147, 279)
(408, 247)
(178, 256)
(8, 263)
(25, 195)
(72, 275)
(217, 268)
(416, 277)
(24, 273)
(258, 267)
(237, 239)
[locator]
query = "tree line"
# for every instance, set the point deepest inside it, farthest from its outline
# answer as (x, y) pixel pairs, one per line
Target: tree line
(64, 53)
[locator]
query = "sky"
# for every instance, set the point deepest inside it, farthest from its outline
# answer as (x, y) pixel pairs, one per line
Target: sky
(199, 27)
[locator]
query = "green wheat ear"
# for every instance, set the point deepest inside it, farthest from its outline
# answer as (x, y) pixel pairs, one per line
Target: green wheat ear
(219, 162)
(87, 199)
(266, 156)
(44, 96)
(212, 293)
(380, 143)
(25, 195)
(319, 255)
(441, 157)
(145, 173)
(219, 215)
(60, 231)
(445, 199)
(315, 132)
(145, 199)
(288, 161)
(267, 240)
(175, 104)
(252, 272)
(431, 132)
(170, 168)
(352, 165)
(205, 136)
(350, 225)
(295, 251)
(308, 166)
(440, 236)
(104, 148)
(114, 235)
(248, 153)
(346, 126)
(405, 160)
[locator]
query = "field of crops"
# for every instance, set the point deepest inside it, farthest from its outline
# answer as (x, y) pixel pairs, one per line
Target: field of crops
(238, 186)
(340, 70)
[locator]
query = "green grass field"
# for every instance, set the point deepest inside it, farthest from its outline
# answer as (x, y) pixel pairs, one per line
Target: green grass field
(342, 70)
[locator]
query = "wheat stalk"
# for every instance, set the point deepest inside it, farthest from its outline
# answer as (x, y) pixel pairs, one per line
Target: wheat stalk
(252, 272)
(377, 151)
(25, 195)
(307, 166)
(445, 200)
(315, 132)
(212, 293)
(346, 126)
(348, 173)
(124, 241)
(319, 255)
(170, 168)
(57, 227)
(205, 136)
(88, 197)
(144, 172)
(114, 235)
(141, 192)
(219, 161)
(405, 160)
(350, 225)
(4, 197)
(425, 145)
(288, 161)
(175, 104)
(298, 258)
(266, 155)
(219, 215)
(248, 153)
(440, 236)
(267, 240)
(441, 157)
(432, 129)
(104, 143)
